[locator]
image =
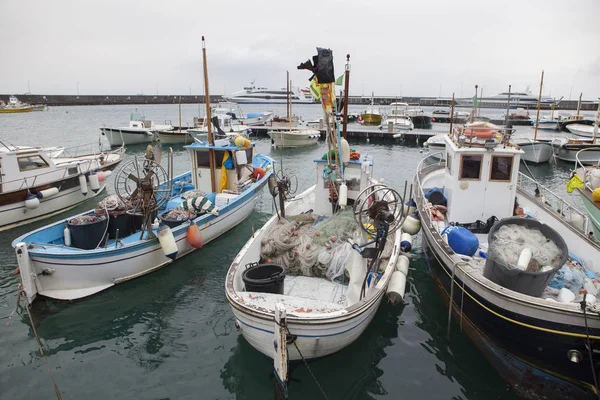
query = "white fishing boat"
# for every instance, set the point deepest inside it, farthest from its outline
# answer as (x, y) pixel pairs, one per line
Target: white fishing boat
(253, 94)
(297, 137)
(567, 149)
(436, 145)
(118, 241)
(312, 278)
(175, 136)
(523, 313)
(581, 130)
(139, 131)
(223, 125)
(400, 122)
(251, 119)
(39, 182)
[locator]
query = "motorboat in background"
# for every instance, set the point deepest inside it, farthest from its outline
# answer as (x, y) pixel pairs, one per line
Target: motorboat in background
(14, 105)
(39, 182)
(398, 122)
(418, 117)
(567, 149)
(372, 114)
(519, 117)
(253, 94)
(294, 137)
(582, 130)
(223, 125)
(250, 119)
(139, 131)
(443, 115)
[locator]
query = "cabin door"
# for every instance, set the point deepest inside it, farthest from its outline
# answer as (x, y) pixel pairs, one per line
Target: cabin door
(500, 188)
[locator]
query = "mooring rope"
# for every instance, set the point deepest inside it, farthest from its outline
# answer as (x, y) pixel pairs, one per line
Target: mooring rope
(589, 344)
(307, 367)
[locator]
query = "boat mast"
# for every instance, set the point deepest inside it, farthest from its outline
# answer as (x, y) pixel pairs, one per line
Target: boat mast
(287, 84)
(507, 117)
(474, 105)
(537, 116)
(290, 106)
(451, 114)
(179, 114)
(346, 85)
(579, 103)
(211, 141)
(596, 124)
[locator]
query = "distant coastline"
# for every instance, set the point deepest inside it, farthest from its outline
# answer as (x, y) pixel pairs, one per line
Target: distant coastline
(87, 100)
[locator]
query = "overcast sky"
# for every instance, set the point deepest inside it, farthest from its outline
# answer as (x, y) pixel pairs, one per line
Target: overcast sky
(410, 48)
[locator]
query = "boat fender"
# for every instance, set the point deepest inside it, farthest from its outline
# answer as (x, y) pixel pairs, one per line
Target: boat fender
(461, 240)
(524, 259)
(343, 196)
(596, 195)
(194, 236)
(94, 182)
(83, 185)
(102, 175)
(411, 224)
(345, 151)
(402, 264)
(565, 296)
(409, 207)
(406, 242)
(241, 141)
(44, 194)
(32, 202)
(258, 173)
(396, 287)
(167, 241)
(67, 235)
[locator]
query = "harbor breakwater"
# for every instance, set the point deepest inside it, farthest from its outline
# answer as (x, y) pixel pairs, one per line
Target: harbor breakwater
(87, 100)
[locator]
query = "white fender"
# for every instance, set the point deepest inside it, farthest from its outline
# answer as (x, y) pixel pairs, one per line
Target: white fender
(343, 196)
(83, 185)
(396, 287)
(167, 241)
(524, 258)
(411, 224)
(345, 151)
(402, 264)
(67, 235)
(94, 183)
(31, 202)
(406, 242)
(46, 193)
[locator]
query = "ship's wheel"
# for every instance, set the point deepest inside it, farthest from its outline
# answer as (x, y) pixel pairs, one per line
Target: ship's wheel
(376, 203)
(144, 184)
(287, 183)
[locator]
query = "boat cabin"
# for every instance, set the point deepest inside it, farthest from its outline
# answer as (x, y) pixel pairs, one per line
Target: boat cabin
(19, 167)
(486, 170)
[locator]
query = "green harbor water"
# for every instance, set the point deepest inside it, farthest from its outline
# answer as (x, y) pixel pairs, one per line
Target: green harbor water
(172, 335)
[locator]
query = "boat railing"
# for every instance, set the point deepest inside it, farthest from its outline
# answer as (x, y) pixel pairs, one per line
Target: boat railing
(427, 161)
(564, 209)
(579, 165)
(86, 149)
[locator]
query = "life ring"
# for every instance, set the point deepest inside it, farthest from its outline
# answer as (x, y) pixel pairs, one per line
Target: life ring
(480, 133)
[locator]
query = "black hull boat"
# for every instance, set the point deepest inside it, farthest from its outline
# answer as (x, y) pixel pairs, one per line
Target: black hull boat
(536, 325)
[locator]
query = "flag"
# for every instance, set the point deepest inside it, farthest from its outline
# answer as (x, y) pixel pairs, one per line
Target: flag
(574, 183)
(315, 89)
(339, 81)
(474, 101)
(224, 182)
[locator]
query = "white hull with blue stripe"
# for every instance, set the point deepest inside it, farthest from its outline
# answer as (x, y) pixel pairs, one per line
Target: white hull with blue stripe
(52, 269)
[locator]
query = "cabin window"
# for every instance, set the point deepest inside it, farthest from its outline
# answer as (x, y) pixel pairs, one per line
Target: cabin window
(501, 168)
(204, 160)
(28, 163)
(470, 167)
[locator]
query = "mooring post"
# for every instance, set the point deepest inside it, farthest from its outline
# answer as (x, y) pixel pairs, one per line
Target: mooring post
(280, 360)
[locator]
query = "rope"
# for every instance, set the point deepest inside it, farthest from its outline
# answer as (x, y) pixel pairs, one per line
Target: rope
(37, 338)
(307, 367)
(589, 344)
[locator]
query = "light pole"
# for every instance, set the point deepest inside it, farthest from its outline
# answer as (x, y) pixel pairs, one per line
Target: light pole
(77, 89)
(570, 92)
(29, 87)
(157, 88)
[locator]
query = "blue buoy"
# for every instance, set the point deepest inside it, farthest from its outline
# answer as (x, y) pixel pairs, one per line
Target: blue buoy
(461, 240)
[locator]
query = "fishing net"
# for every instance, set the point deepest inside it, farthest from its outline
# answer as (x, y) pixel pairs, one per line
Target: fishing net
(193, 193)
(313, 246)
(177, 215)
(113, 205)
(510, 240)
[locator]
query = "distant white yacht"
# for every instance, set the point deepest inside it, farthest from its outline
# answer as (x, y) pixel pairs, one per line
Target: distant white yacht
(524, 99)
(253, 94)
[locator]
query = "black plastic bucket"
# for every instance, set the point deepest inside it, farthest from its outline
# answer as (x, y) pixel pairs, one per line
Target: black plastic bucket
(88, 236)
(122, 222)
(531, 283)
(264, 278)
(171, 223)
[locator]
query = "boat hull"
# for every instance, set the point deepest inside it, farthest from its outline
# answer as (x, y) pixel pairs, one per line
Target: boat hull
(175, 138)
(511, 347)
(371, 119)
(567, 152)
(118, 137)
(293, 138)
(536, 152)
(592, 209)
(15, 110)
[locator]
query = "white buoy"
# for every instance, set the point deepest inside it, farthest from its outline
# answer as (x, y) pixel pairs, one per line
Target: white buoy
(94, 183)
(67, 235)
(32, 202)
(396, 287)
(576, 220)
(590, 299)
(524, 258)
(167, 241)
(46, 193)
(409, 207)
(406, 242)
(565, 296)
(402, 264)
(83, 185)
(345, 151)
(411, 224)
(343, 196)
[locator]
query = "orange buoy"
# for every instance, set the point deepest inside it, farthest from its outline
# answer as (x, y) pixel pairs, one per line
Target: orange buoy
(480, 133)
(17, 271)
(258, 173)
(194, 236)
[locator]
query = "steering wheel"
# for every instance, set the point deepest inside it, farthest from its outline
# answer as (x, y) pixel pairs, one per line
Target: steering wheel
(374, 200)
